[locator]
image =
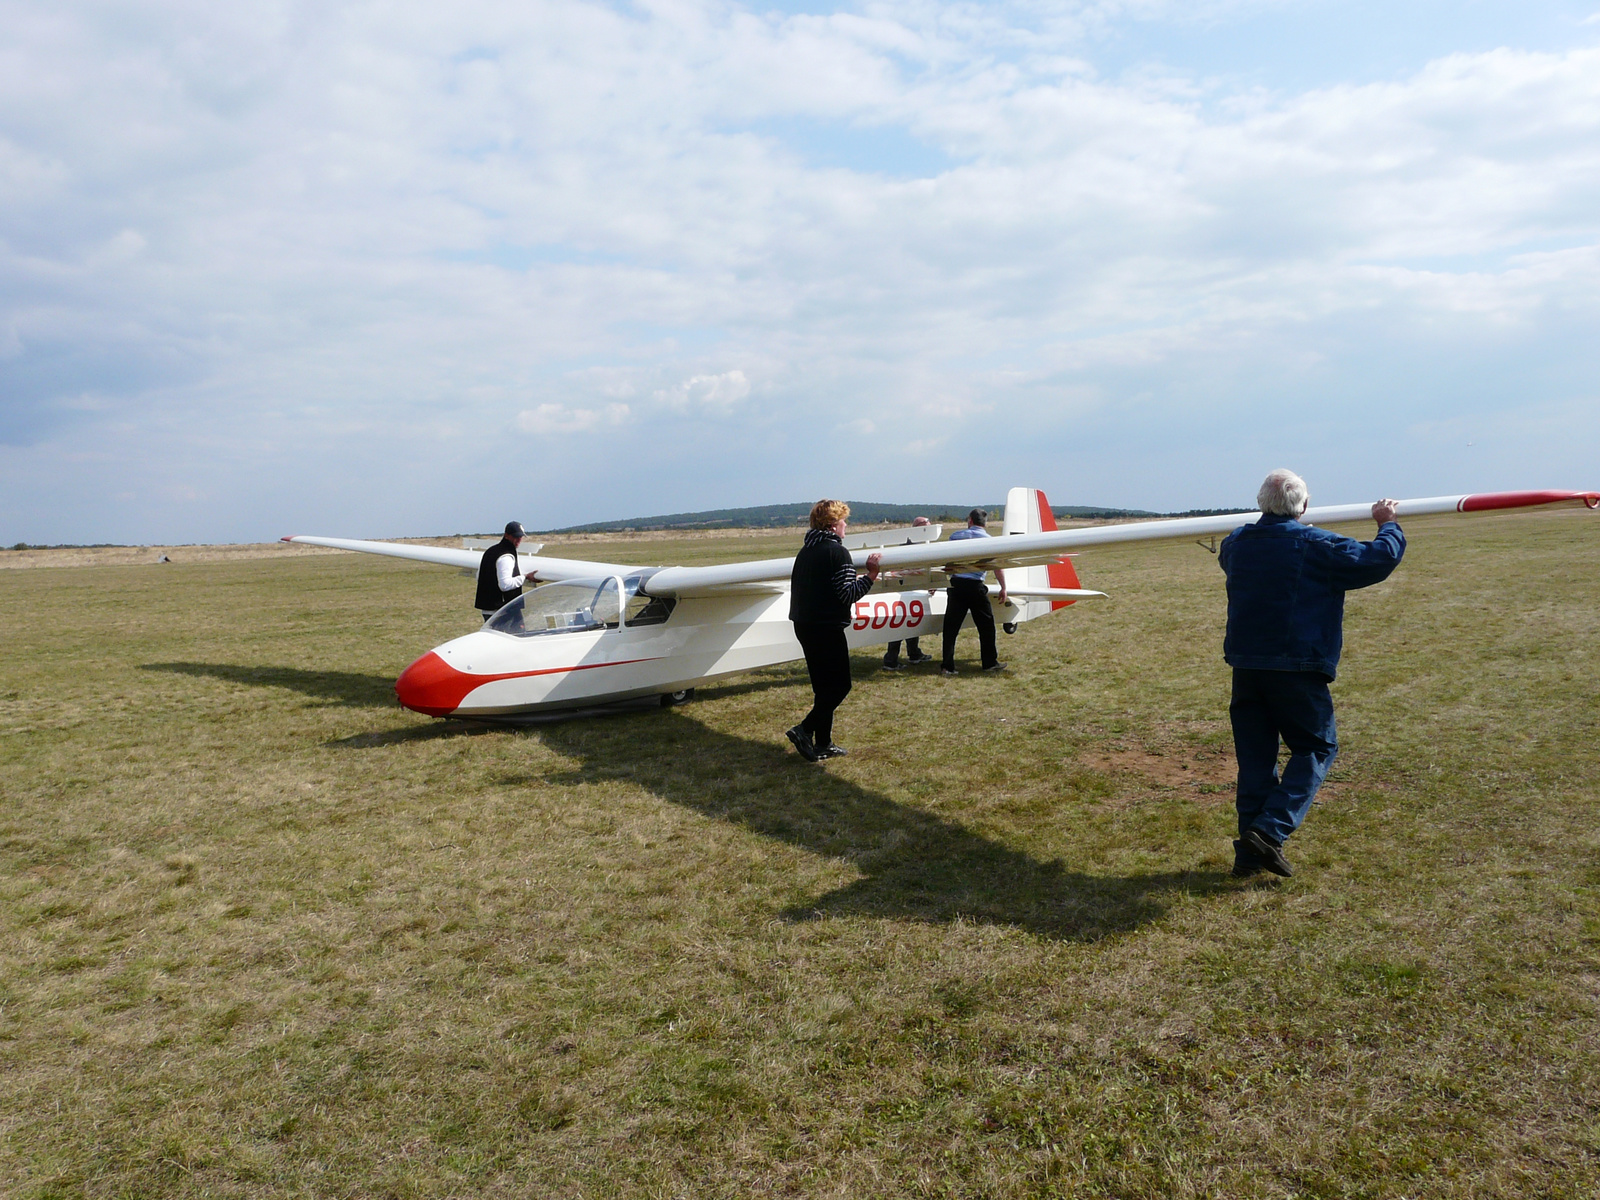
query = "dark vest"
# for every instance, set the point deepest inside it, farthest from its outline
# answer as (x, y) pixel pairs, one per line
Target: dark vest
(490, 597)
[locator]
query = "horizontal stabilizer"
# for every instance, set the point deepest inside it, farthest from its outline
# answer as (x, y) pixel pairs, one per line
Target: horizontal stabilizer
(1044, 593)
(913, 535)
(483, 543)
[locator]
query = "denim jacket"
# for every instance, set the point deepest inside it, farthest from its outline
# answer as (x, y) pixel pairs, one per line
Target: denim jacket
(1286, 586)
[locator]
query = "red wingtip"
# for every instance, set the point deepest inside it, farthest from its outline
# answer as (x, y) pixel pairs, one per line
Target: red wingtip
(290, 538)
(1489, 501)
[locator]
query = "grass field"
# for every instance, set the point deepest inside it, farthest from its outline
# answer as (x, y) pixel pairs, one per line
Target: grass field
(265, 934)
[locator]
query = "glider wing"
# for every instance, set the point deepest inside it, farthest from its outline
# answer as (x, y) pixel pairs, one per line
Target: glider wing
(1027, 549)
(543, 569)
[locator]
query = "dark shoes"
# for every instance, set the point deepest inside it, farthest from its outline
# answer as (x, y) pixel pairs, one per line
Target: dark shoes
(893, 666)
(809, 750)
(802, 743)
(947, 670)
(1245, 862)
(1270, 854)
(916, 660)
(995, 666)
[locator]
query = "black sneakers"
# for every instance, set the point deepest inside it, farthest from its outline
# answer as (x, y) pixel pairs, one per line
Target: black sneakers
(1271, 856)
(916, 660)
(995, 666)
(802, 743)
(893, 666)
(947, 670)
(832, 750)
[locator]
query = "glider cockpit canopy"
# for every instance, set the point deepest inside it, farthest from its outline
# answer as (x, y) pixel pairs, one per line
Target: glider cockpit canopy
(579, 605)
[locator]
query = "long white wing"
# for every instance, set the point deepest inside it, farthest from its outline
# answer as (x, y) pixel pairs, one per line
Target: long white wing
(542, 568)
(1027, 549)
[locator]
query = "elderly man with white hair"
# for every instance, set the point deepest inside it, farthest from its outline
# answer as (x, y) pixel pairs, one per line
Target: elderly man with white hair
(1286, 586)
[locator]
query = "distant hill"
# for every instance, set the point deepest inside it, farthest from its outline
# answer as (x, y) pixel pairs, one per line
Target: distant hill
(863, 512)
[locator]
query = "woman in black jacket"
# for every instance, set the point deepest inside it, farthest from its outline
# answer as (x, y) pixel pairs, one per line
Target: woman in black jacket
(822, 588)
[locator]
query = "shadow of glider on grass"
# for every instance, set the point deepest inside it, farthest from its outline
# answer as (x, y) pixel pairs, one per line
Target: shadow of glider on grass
(910, 864)
(597, 633)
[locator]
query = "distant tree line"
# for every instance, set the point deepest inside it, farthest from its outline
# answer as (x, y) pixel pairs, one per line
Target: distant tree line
(71, 546)
(863, 512)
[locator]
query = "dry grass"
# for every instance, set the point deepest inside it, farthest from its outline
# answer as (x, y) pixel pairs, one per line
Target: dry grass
(265, 934)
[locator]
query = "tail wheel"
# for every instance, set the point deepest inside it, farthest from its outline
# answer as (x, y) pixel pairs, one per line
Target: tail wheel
(673, 699)
(1009, 627)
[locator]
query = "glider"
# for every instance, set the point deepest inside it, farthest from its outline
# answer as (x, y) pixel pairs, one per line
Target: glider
(595, 633)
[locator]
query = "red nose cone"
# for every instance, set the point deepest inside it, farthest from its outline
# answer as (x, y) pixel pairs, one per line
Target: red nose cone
(432, 686)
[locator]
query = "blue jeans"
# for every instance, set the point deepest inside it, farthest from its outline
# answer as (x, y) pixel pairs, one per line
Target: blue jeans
(1294, 706)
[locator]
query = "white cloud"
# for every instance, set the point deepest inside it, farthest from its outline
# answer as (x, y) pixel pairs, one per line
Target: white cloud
(706, 393)
(304, 256)
(553, 418)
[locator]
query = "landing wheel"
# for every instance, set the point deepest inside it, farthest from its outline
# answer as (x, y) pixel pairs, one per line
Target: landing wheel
(673, 699)
(1009, 627)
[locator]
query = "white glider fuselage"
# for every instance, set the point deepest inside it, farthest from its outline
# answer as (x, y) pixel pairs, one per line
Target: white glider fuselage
(703, 639)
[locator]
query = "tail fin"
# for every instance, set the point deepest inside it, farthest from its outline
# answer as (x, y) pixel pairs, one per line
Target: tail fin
(1028, 511)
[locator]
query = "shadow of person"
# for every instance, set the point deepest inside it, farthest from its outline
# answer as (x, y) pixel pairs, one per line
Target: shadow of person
(340, 687)
(913, 865)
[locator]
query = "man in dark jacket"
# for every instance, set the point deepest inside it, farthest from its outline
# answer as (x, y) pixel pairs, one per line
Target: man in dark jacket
(1286, 586)
(499, 581)
(822, 588)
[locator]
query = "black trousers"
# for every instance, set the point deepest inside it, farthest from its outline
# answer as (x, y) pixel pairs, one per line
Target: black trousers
(891, 653)
(969, 596)
(828, 661)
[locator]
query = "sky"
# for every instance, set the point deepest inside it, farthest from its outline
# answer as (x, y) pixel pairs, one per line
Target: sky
(378, 270)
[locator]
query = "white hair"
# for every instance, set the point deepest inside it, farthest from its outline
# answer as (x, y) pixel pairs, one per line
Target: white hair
(1283, 493)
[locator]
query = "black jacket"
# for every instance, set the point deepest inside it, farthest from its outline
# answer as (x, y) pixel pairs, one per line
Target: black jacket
(824, 584)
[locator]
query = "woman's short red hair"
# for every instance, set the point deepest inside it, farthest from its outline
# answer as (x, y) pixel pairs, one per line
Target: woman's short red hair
(825, 514)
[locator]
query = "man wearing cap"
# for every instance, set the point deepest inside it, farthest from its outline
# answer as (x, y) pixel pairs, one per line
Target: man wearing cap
(968, 593)
(499, 582)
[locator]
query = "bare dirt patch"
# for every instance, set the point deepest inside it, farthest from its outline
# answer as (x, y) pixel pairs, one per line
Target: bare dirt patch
(1164, 768)
(1181, 756)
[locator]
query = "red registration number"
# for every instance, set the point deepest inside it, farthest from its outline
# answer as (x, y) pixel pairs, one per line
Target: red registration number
(890, 614)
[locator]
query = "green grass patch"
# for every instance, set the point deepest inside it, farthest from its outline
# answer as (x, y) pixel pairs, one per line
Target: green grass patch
(266, 934)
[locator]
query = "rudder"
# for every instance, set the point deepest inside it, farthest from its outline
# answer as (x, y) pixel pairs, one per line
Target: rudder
(1028, 511)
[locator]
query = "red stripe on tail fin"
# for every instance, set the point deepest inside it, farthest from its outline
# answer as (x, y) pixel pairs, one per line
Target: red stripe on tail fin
(1062, 574)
